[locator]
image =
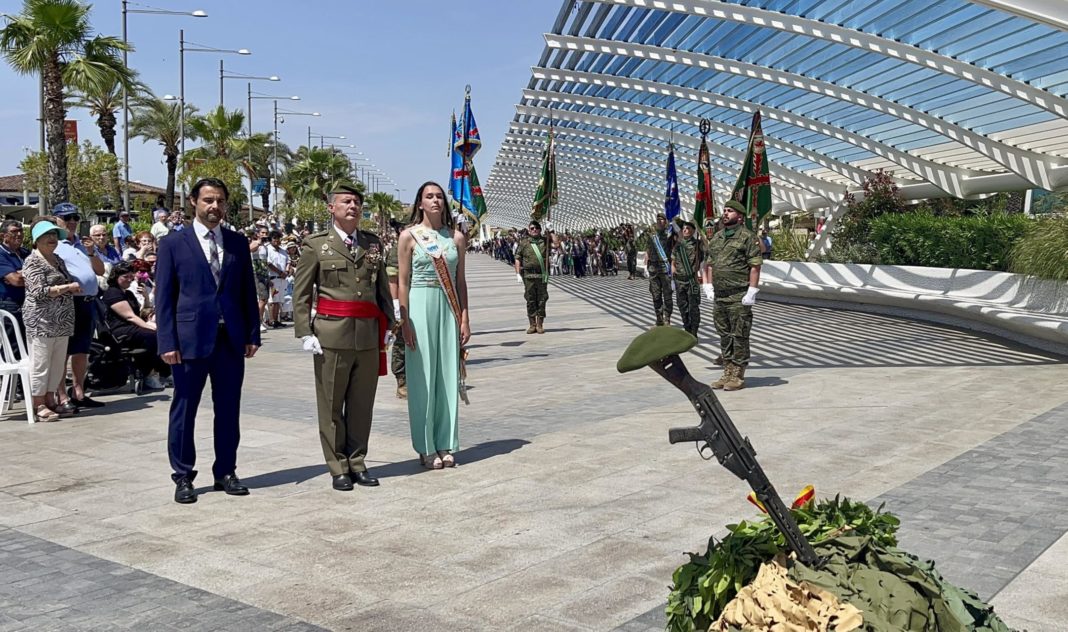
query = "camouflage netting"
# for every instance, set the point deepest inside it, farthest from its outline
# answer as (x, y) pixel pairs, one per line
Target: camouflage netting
(862, 586)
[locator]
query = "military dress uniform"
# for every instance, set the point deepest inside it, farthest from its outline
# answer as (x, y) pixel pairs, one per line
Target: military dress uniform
(354, 311)
(732, 252)
(687, 258)
(535, 280)
(659, 283)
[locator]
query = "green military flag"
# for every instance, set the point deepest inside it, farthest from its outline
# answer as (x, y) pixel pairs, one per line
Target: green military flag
(753, 189)
(547, 192)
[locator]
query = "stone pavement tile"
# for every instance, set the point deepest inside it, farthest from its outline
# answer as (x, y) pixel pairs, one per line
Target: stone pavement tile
(612, 603)
(502, 602)
(15, 511)
(543, 623)
(388, 616)
(309, 600)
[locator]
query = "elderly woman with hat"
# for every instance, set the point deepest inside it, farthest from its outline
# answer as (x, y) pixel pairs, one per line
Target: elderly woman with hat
(49, 317)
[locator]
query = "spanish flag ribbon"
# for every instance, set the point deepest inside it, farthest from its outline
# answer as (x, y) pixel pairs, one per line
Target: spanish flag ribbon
(804, 497)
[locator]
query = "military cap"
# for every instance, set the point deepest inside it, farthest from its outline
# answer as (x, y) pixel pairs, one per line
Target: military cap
(653, 345)
(534, 224)
(661, 216)
(347, 187)
(734, 205)
(686, 222)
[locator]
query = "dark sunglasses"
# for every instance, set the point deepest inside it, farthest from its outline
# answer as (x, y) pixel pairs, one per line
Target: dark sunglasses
(72, 218)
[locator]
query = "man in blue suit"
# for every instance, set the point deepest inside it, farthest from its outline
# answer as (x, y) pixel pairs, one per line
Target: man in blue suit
(207, 324)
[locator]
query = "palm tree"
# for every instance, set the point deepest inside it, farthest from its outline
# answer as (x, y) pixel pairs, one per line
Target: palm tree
(315, 171)
(221, 133)
(159, 120)
(384, 205)
(53, 39)
(103, 99)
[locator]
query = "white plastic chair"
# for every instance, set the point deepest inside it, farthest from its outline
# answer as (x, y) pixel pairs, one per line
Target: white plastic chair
(11, 370)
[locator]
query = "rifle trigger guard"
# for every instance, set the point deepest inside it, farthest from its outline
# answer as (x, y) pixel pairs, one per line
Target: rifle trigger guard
(702, 448)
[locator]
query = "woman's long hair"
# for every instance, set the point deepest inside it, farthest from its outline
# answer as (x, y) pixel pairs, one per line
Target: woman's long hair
(417, 212)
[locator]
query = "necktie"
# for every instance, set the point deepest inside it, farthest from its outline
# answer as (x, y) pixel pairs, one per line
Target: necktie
(213, 257)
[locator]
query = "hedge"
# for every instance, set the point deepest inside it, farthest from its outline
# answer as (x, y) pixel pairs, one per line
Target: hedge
(975, 242)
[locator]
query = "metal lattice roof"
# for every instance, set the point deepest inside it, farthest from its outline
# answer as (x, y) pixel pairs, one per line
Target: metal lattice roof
(955, 97)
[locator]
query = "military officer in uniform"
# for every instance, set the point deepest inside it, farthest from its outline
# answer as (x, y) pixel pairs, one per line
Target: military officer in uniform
(531, 268)
(687, 258)
(658, 265)
(344, 268)
(731, 279)
(396, 359)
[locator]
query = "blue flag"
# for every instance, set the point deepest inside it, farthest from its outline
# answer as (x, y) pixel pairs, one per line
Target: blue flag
(468, 142)
(463, 181)
(672, 206)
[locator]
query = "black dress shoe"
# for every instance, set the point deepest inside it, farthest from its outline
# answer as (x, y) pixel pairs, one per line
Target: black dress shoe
(184, 492)
(343, 483)
(364, 479)
(231, 485)
(84, 402)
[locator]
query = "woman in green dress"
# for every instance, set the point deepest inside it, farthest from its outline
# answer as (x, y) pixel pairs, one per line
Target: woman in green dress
(431, 259)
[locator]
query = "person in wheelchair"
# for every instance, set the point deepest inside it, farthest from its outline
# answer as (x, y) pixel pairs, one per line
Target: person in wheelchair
(129, 329)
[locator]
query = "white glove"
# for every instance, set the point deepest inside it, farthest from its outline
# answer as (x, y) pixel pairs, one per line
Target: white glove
(709, 290)
(311, 343)
(388, 338)
(750, 296)
(672, 285)
(519, 278)
(396, 309)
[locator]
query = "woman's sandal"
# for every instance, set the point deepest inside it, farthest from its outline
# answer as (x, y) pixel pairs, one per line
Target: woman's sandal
(447, 460)
(431, 461)
(44, 413)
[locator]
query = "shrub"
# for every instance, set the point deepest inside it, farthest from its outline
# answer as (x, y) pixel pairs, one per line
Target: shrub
(1043, 250)
(977, 242)
(701, 587)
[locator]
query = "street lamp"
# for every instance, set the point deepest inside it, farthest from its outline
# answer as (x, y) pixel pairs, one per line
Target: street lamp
(196, 48)
(258, 95)
(126, 97)
(237, 75)
(321, 138)
(274, 182)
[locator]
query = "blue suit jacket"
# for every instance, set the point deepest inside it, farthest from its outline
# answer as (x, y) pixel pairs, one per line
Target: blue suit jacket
(189, 304)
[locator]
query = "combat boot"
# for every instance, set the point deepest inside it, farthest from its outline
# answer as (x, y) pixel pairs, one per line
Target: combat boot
(737, 381)
(718, 361)
(659, 320)
(533, 329)
(402, 390)
(728, 375)
(539, 324)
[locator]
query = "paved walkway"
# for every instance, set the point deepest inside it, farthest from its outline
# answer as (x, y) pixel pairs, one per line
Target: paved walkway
(569, 509)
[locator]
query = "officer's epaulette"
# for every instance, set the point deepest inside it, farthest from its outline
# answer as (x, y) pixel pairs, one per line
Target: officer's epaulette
(322, 233)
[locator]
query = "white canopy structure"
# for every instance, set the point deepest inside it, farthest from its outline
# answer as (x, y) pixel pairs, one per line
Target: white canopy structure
(955, 97)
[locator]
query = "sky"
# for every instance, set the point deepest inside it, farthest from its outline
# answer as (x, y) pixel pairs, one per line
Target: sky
(386, 74)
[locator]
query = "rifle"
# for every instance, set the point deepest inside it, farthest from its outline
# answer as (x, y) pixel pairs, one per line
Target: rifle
(659, 349)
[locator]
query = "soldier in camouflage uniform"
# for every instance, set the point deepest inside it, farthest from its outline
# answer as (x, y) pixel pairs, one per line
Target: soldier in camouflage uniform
(396, 359)
(732, 276)
(687, 259)
(532, 268)
(659, 269)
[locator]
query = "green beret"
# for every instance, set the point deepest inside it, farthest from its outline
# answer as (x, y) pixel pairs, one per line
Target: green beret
(735, 205)
(653, 345)
(346, 187)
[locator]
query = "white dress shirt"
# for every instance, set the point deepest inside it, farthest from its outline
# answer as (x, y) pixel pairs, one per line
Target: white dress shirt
(205, 244)
(355, 236)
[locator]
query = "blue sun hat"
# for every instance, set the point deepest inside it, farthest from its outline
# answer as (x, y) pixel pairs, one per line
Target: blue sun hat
(41, 228)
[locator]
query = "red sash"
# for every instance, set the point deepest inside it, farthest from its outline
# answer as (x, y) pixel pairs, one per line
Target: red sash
(358, 309)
